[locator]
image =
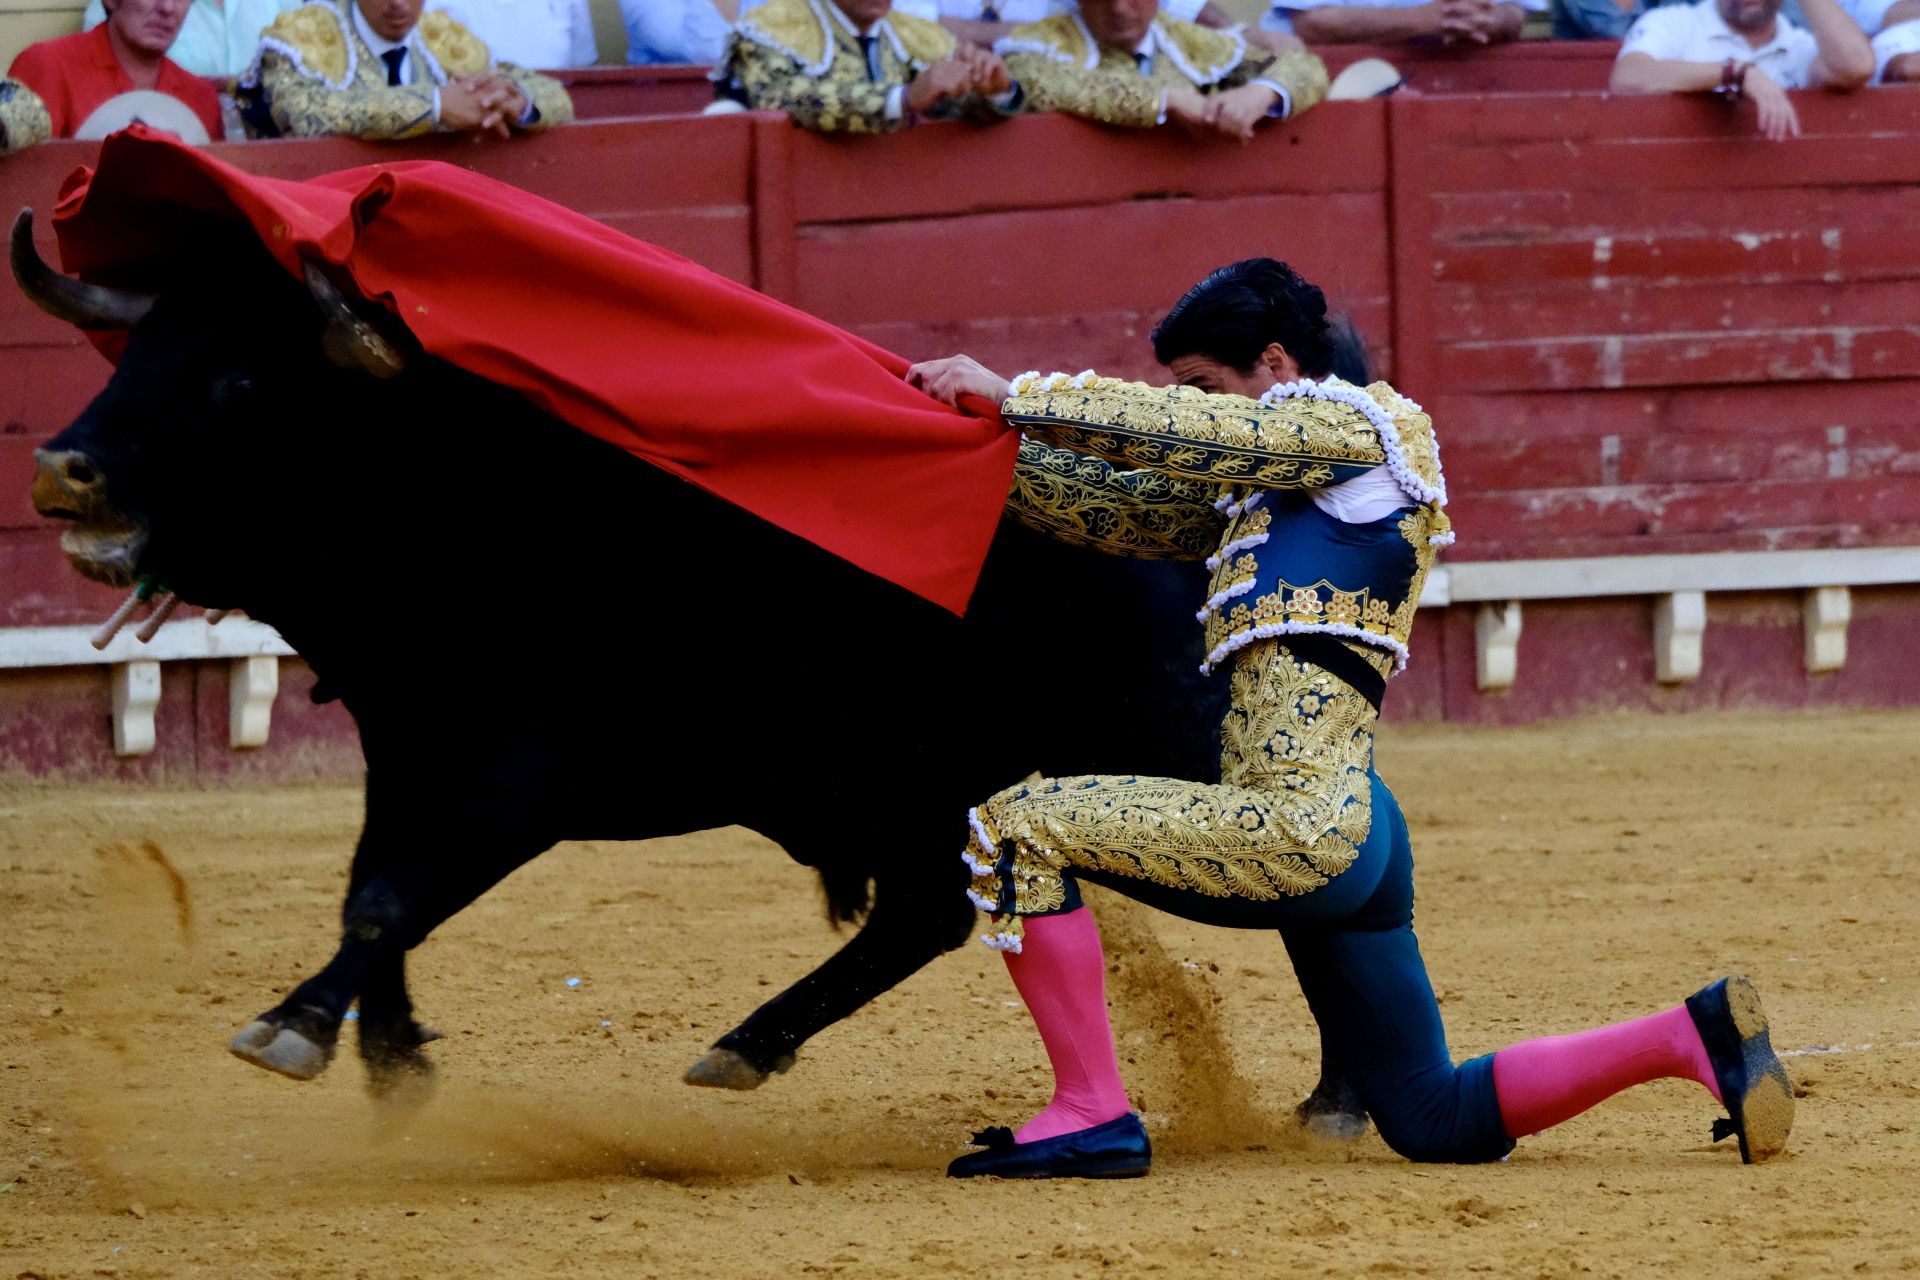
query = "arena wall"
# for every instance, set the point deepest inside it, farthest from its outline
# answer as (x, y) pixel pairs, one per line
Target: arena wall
(1670, 362)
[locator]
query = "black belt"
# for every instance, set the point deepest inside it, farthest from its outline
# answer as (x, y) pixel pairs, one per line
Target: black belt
(1343, 664)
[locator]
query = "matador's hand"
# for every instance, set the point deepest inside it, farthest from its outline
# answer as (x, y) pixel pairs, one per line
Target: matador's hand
(957, 376)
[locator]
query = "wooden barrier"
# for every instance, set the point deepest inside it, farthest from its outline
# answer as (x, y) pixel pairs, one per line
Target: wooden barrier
(1642, 329)
(1526, 66)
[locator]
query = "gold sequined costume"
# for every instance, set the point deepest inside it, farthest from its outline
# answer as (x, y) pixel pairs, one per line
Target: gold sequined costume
(314, 76)
(23, 117)
(1294, 799)
(804, 57)
(1063, 68)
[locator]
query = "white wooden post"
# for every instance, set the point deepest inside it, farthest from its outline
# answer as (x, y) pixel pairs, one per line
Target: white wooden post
(136, 692)
(252, 684)
(1496, 645)
(1826, 611)
(1679, 623)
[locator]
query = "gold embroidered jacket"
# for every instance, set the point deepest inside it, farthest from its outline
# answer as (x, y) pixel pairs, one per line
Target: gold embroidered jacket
(1304, 436)
(1063, 68)
(317, 77)
(23, 117)
(803, 57)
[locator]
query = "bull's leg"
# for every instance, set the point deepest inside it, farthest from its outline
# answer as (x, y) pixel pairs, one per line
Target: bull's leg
(390, 1040)
(908, 927)
(387, 915)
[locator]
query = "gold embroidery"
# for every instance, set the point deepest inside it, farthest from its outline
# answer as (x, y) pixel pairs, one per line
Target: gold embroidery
(304, 56)
(1294, 803)
(1062, 69)
(1086, 501)
(1195, 436)
(23, 117)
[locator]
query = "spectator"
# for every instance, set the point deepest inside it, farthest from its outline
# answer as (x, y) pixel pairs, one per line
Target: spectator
(856, 66)
(985, 22)
(672, 31)
(1744, 48)
(219, 36)
(1610, 19)
(74, 75)
(529, 33)
(1894, 28)
(1123, 62)
(23, 117)
(1468, 22)
(380, 70)
(1896, 50)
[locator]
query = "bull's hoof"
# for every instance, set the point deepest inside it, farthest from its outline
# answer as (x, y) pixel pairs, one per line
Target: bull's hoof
(398, 1074)
(403, 1081)
(1333, 1112)
(281, 1050)
(725, 1069)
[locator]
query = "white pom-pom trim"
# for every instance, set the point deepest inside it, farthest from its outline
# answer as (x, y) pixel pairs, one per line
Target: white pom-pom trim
(1002, 941)
(1268, 630)
(981, 901)
(1354, 398)
(1233, 549)
(1219, 598)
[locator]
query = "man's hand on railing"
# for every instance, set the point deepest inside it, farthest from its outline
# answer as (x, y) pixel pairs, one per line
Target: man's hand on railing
(1778, 119)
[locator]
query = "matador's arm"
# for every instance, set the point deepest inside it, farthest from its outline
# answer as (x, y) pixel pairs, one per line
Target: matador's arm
(305, 106)
(1187, 434)
(1088, 502)
(773, 82)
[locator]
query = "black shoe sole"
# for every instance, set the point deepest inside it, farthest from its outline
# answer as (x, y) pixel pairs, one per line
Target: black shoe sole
(1754, 1084)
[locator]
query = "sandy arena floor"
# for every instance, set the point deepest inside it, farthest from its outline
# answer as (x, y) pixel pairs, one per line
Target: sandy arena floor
(1569, 874)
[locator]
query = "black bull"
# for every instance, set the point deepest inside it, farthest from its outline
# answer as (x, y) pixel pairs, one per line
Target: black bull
(614, 654)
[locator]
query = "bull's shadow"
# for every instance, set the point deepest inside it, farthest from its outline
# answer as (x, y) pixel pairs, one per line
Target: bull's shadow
(614, 653)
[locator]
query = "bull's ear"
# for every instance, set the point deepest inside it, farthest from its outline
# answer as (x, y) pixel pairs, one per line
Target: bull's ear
(357, 336)
(90, 306)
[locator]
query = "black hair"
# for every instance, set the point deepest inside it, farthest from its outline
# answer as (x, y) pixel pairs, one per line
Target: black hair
(1235, 313)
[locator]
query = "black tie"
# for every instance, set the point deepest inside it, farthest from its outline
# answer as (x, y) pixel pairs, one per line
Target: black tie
(870, 47)
(1144, 61)
(393, 58)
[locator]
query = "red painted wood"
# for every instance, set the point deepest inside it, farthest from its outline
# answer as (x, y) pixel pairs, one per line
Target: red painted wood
(611, 93)
(1061, 162)
(1062, 260)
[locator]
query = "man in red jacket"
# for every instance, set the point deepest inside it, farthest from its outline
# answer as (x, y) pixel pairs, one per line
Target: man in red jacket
(75, 74)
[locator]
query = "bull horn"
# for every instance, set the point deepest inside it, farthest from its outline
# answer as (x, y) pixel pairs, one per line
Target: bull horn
(351, 340)
(89, 306)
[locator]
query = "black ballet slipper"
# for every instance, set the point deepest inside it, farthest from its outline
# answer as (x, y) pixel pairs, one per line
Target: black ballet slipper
(1753, 1081)
(1116, 1149)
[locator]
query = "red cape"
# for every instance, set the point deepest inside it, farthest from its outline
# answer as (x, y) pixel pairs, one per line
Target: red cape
(800, 423)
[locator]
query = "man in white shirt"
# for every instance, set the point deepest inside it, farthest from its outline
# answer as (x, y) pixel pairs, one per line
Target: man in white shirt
(1744, 48)
(529, 33)
(1894, 27)
(1468, 22)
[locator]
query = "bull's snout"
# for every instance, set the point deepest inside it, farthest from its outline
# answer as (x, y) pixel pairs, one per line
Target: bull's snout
(67, 486)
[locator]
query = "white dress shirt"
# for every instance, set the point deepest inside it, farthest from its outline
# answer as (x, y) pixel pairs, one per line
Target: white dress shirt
(1902, 37)
(1697, 33)
(1280, 16)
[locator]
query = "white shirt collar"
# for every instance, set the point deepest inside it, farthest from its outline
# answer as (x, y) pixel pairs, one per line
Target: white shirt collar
(379, 43)
(839, 15)
(1148, 45)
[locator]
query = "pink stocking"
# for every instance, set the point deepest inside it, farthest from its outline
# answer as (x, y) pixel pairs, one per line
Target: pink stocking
(1542, 1082)
(1061, 973)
